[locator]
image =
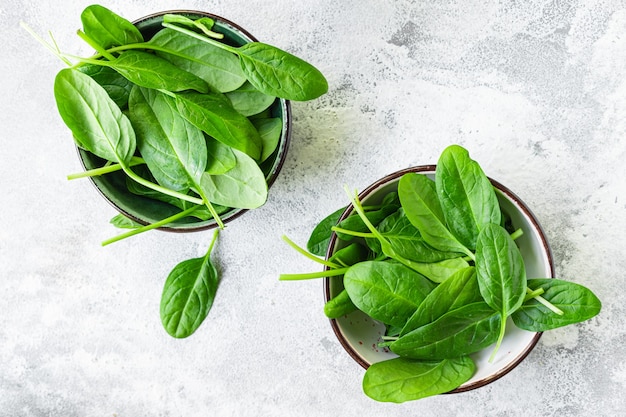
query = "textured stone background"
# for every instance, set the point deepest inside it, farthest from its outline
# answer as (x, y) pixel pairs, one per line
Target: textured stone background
(535, 89)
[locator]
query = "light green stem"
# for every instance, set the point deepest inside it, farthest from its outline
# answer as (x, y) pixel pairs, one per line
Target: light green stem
(500, 337)
(135, 160)
(516, 234)
(202, 38)
(352, 232)
(533, 293)
(148, 227)
(94, 45)
(313, 275)
(308, 255)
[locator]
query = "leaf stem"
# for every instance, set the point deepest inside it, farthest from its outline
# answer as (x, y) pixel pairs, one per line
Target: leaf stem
(54, 49)
(202, 38)
(135, 160)
(94, 45)
(213, 240)
(161, 189)
(500, 338)
(313, 275)
(151, 226)
(533, 293)
(308, 255)
(516, 234)
(352, 232)
(545, 302)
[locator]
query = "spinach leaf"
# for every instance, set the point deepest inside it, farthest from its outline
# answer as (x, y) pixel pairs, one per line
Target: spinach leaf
(435, 271)
(419, 200)
(188, 294)
(350, 255)
(221, 158)
(355, 223)
(400, 379)
(271, 70)
(219, 68)
(122, 222)
(385, 291)
(280, 74)
(174, 149)
(214, 115)
(270, 130)
(116, 86)
(249, 101)
(338, 306)
(107, 28)
(407, 241)
(577, 302)
(467, 197)
(243, 186)
(501, 273)
(458, 290)
(97, 123)
(320, 236)
(459, 332)
(150, 71)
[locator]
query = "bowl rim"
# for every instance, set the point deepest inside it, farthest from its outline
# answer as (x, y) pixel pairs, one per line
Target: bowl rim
(234, 213)
(430, 169)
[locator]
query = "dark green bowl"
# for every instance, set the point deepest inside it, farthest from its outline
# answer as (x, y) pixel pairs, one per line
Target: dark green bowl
(144, 210)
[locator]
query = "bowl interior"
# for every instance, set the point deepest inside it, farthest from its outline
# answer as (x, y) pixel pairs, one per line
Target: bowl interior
(144, 210)
(360, 334)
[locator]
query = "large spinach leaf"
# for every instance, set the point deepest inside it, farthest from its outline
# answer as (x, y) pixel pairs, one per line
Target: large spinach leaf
(97, 123)
(386, 291)
(576, 302)
(400, 379)
(107, 28)
(467, 197)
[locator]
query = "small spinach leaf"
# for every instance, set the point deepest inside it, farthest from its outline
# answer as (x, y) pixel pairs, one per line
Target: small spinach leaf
(338, 306)
(270, 131)
(188, 294)
(249, 101)
(320, 236)
(221, 158)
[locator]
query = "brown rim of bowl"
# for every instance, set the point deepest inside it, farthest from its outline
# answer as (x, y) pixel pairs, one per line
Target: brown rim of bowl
(431, 169)
(286, 104)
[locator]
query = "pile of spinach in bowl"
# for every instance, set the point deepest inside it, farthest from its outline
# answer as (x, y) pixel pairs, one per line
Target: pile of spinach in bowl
(437, 263)
(183, 116)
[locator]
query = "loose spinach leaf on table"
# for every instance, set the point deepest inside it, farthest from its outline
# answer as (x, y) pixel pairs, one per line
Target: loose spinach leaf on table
(386, 291)
(188, 294)
(468, 199)
(577, 302)
(219, 68)
(400, 379)
(107, 28)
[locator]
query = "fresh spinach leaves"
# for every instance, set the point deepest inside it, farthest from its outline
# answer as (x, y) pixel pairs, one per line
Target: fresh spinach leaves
(442, 273)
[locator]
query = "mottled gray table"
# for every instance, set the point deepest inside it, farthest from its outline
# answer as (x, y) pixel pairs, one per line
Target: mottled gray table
(536, 90)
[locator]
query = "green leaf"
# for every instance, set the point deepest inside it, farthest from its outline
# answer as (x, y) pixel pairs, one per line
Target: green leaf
(221, 158)
(116, 86)
(577, 302)
(459, 332)
(458, 290)
(188, 294)
(320, 236)
(97, 123)
(270, 131)
(214, 115)
(421, 205)
(280, 74)
(122, 222)
(385, 291)
(107, 28)
(243, 186)
(249, 101)
(500, 270)
(389, 205)
(435, 271)
(350, 255)
(467, 197)
(219, 68)
(400, 379)
(338, 306)
(150, 71)
(174, 149)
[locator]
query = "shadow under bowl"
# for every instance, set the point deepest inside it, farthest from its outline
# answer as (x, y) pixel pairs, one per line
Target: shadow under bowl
(360, 335)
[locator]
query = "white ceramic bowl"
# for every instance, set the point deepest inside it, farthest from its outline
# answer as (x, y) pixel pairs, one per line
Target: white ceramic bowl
(360, 334)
